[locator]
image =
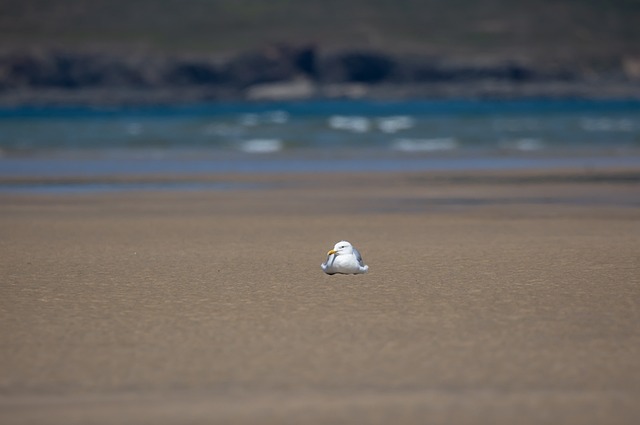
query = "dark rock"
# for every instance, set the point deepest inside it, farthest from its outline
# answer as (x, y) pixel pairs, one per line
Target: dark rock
(285, 71)
(357, 66)
(65, 70)
(304, 59)
(271, 64)
(193, 73)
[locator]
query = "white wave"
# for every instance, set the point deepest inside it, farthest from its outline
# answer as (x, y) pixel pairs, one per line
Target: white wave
(425, 145)
(249, 120)
(262, 146)
(350, 123)
(395, 123)
(277, 117)
(270, 117)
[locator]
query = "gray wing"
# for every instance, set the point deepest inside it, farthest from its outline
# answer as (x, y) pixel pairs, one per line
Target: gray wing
(358, 257)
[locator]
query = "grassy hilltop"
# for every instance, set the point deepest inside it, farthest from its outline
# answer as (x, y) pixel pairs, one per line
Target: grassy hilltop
(600, 30)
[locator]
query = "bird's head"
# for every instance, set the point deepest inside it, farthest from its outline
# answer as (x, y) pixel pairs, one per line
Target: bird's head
(342, 247)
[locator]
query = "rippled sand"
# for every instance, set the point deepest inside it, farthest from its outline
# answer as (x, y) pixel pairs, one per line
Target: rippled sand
(491, 299)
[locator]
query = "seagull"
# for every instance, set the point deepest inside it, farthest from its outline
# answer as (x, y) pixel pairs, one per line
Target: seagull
(344, 258)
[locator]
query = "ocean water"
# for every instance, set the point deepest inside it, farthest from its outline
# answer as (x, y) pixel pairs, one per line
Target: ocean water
(318, 136)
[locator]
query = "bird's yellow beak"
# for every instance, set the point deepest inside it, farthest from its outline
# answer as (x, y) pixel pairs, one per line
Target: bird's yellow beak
(333, 251)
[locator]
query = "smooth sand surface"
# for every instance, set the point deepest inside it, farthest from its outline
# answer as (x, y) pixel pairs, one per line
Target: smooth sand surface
(491, 299)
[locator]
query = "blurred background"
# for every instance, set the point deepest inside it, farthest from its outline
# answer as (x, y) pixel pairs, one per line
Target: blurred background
(106, 87)
(587, 28)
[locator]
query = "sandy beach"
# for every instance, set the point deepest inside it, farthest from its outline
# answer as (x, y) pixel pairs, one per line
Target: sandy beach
(492, 298)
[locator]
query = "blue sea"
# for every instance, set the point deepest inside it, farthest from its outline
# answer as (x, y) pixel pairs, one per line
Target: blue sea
(316, 136)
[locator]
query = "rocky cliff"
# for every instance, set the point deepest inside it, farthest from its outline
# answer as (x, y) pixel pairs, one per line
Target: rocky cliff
(282, 71)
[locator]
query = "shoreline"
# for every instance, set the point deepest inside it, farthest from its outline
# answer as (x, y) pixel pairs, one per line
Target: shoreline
(174, 164)
(413, 192)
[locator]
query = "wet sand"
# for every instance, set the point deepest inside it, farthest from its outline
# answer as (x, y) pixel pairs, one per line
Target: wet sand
(491, 299)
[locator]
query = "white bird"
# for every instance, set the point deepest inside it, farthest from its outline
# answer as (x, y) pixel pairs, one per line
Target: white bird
(344, 258)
